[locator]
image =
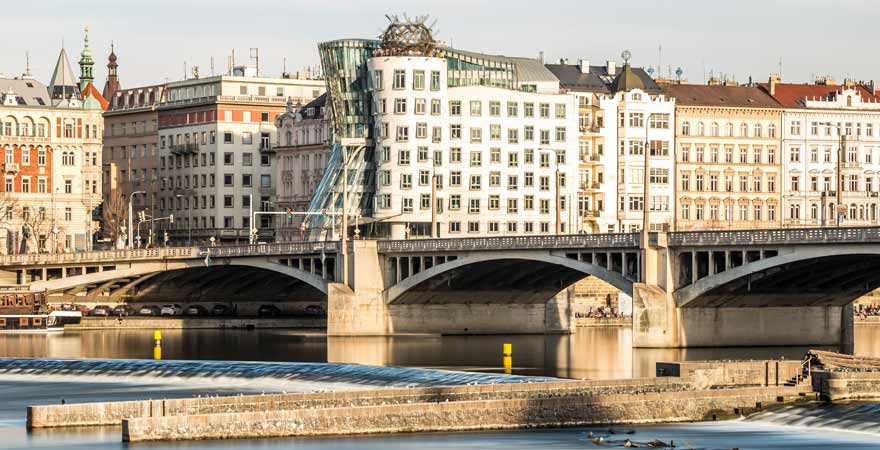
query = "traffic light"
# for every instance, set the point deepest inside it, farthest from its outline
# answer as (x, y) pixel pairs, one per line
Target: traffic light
(142, 216)
(171, 218)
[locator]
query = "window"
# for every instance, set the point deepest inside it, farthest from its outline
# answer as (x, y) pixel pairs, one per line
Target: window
(399, 106)
(659, 148)
(455, 131)
(402, 133)
(495, 132)
(407, 204)
(227, 137)
(476, 108)
(421, 130)
(473, 227)
(455, 202)
(545, 110)
(494, 108)
(512, 136)
(435, 107)
(659, 176)
(660, 121)
(399, 79)
(419, 80)
(455, 108)
(560, 110)
(476, 135)
(377, 80)
(455, 227)
(455, 155)
(406, 181)
(403, 157)
(228, 201)
(476, 159)
(435, 80)
(68, 186)
(512, 159)
(560, 134)
(474, 206)
(636, 120)
(795, 128)
(494, 202)
(476, 182)
(686, 129)
(794, 154)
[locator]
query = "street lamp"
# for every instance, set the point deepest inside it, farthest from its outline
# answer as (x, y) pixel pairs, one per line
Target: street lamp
(131, 218)
(840, 156)
(188, 220)
(558, 224)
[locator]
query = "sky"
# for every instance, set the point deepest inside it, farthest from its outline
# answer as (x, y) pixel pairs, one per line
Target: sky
(156, 39)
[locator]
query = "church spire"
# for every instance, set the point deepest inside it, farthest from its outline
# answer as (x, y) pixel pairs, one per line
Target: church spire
(112, 84)
(86, 64)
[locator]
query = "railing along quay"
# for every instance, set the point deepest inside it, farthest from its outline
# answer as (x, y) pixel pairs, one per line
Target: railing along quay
(609, 240)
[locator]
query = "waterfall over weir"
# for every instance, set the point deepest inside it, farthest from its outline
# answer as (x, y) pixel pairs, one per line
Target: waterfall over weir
(264, 374)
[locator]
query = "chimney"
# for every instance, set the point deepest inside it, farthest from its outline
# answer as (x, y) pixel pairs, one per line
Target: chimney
(771, 85)
(611, 66)
(541, 56)
(585, 66)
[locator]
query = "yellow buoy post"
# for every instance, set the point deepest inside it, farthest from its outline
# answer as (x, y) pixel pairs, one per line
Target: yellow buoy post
(507, 352)
(157, 349)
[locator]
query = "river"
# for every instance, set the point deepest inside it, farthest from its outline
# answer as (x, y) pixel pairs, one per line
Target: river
(591, 353)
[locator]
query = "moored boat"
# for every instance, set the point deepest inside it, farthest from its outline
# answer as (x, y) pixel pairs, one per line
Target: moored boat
(23, 311)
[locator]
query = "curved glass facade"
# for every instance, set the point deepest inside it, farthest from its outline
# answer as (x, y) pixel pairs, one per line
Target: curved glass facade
(345, 70)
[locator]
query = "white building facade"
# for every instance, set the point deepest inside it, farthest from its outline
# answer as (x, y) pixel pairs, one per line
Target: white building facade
(814, 169)
(638, 125)
(491, 160)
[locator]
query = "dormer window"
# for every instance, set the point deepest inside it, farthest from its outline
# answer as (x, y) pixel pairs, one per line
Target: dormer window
(849, 100)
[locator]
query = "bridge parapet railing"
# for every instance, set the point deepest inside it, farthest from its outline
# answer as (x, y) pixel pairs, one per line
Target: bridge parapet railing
(572, 241)
(835, 235)
(100, 256)
(111, 256)
(280, 248)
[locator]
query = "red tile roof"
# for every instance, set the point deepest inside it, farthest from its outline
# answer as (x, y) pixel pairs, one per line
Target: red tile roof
(93, 91)
(729, 96)
(794, 95)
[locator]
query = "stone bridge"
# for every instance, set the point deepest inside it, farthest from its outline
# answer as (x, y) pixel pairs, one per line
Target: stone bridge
(709, 288)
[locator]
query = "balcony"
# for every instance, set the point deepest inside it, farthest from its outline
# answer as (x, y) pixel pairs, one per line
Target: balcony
(11, 168)
(590, 214)
(589, 186)
(266, 147)
(184, 149)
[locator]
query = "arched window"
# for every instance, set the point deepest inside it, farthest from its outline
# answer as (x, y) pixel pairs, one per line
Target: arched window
(701, 129)
(744, 130)
(714, 129)
(814, 211)
(758, 130)
(852, 211)
(685, 128)
(771, 130)
(728, 129)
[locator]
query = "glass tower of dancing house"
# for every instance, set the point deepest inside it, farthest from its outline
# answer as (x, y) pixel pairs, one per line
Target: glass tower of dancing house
(489, 142)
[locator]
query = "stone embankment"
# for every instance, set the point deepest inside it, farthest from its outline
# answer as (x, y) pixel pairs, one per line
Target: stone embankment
(177, 323)
(457, 408)
(840, 377)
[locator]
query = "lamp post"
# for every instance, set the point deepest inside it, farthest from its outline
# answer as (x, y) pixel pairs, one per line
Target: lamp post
(130, 218)
(188, 220)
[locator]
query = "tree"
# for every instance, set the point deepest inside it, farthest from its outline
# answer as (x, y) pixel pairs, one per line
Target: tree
(8, 206)
(114, 216)
(35, 222)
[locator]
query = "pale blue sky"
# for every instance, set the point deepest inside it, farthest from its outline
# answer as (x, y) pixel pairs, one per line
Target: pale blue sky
(741, 37)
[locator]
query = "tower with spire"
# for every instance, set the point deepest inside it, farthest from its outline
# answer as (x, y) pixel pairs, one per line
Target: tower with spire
(112, 85)
(86, 63)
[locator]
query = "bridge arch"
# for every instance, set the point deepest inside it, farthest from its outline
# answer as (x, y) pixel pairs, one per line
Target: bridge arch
(571, 270)
(141, 269)
(844, 272)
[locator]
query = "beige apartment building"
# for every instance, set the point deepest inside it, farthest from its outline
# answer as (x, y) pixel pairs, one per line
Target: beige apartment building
(131, 137)
(304, 146)
(728, 167)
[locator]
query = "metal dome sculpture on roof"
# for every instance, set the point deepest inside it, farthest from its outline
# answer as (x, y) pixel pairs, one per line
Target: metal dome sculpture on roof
(408, 36)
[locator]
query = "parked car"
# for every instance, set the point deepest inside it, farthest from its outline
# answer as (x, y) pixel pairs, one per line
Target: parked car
(220, 309)
(123, 310)
(83, 309)
(170, 310)
(314, 311)
(100, 311)
(195, 310)
(148, 311)
(268, 310)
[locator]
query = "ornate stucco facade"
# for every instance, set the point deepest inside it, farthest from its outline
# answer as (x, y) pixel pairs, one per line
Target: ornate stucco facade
(727, 150)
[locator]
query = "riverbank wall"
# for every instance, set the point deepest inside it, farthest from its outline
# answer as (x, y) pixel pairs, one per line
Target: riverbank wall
(579, 410)
(838, 386)
(455, 408)
(181, 323)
